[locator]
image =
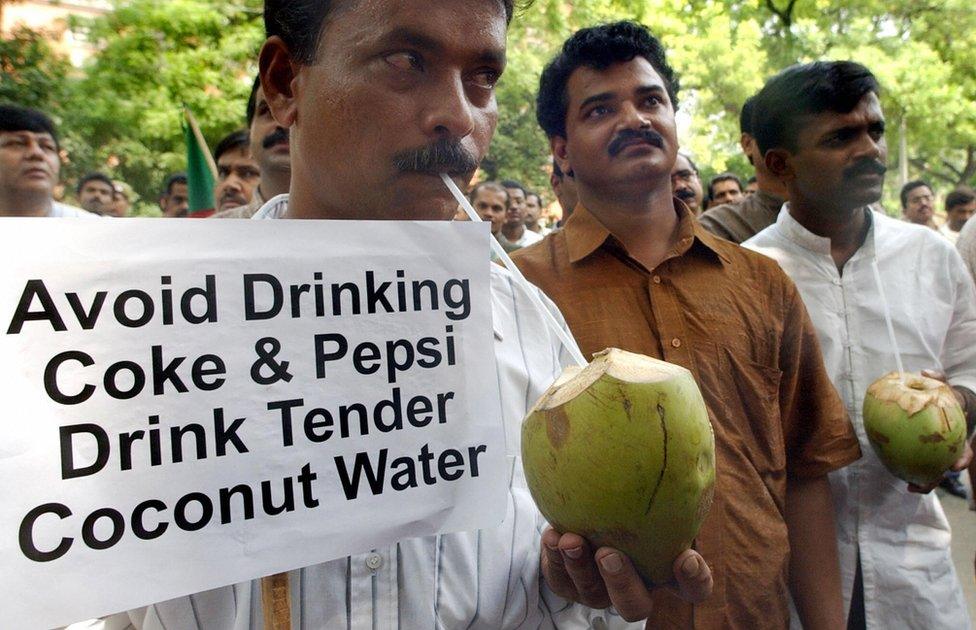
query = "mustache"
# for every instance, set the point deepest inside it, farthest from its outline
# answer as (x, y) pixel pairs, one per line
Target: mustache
(442, 156)
(280, 134)
(684, 193)
(865, 167)
(627, 135)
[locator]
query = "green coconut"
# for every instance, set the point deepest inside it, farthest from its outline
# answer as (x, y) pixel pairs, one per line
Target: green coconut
(622, 453)
(915, 426)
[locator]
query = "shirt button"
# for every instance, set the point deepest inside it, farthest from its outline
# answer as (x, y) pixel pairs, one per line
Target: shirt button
(374, 561)
(676, 342)
(656, 279)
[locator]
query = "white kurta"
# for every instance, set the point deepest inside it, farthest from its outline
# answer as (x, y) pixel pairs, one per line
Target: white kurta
(487, 579)
(903, 538)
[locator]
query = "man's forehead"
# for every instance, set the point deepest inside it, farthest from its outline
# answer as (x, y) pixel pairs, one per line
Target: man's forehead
(24, 133)
(638, 74)
(681, 164)
(417, 23)
(237, 155)
(867, 111)
(97, 183)
(919, 191)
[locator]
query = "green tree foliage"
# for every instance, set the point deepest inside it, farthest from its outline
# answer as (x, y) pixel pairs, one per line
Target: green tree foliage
(31, 72)
(121, 114)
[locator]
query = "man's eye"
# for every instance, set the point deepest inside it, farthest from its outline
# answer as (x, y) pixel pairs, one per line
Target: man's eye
(598, 111)
(405, 61)
(654, 100)
(486, 79)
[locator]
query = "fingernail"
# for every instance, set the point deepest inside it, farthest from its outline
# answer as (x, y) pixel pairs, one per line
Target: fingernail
(690, 566)
(611, 563)
(574, 553)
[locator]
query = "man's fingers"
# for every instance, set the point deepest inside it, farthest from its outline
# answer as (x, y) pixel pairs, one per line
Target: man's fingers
(963, 462)
(624, 586)
(578, 562)
(693, 577)
(552, 567)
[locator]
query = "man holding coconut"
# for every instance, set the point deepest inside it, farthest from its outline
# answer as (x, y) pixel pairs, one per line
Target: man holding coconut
(633, 269)
(823, 137)
(380, 98)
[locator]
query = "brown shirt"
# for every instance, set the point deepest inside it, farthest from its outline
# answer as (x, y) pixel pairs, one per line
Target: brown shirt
(740, 221)
(736, 321)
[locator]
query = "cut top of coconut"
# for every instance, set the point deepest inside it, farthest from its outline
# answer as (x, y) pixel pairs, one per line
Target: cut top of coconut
(912, 392)
(629, 367)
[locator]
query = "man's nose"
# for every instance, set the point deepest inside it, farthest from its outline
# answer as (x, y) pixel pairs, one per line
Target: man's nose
(632, 117)
(449, 111)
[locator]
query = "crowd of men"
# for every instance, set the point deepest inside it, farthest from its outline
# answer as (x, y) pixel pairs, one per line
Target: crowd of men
(783, 334)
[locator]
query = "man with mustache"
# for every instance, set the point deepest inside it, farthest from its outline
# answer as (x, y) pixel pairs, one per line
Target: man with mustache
(380, 98)
(237, 171)
(824, 139)
(633, 269)
(918, 203)
(30, 165)
(96, 193)
(686, 183)
(270, 149)
(514, 235)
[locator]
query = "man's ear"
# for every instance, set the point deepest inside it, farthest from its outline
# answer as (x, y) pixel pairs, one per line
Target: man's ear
(779, 162)
(557, 144)
(278, 77)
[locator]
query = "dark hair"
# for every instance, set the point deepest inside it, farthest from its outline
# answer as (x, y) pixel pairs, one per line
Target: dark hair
(745, 116)
(233, 140)
(691, 162)
(909, 187)
(252, 102)
(491, 185)
(597, 47)
(172, 180)
(802, 90)
(299, 24)
(511, 183)
(16, 118)
(751, 180)
(723, 177)
(533, 194)
(95, 177)
(959, 197)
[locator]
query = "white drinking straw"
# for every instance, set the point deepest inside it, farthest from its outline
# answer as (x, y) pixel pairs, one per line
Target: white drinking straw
(531, 291)
(887, 316)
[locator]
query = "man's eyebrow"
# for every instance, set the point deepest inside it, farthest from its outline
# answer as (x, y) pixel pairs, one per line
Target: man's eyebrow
(602, 97)
(411, 37)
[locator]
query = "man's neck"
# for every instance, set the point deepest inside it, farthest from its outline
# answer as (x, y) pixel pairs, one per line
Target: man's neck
(533, 226)
(513, 232)
(25, 205)
(770, 185)
(274, 183)
(645, 224)
(846, 228)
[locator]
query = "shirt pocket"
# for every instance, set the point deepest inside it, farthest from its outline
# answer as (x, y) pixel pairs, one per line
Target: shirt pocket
(750, 406)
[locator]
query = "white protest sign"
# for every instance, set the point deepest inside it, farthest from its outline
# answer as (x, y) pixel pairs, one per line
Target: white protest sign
(190, 404)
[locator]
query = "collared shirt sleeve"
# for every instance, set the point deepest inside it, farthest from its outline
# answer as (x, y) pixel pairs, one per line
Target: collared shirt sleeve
(817, 432)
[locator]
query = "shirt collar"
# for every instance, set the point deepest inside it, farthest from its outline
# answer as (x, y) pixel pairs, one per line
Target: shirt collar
(585, 234)
(794, 231)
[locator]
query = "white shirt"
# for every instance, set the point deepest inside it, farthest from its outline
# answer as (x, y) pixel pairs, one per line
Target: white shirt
(487, 579)
(903, 538)
(528, 238)
(64, 211)
(949, 233)
(967, 246)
